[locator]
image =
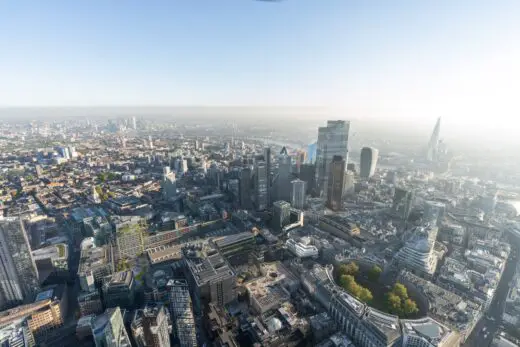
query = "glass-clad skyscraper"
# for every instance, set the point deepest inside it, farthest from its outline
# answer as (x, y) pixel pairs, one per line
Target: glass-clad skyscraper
(18, 274)
(332, 141)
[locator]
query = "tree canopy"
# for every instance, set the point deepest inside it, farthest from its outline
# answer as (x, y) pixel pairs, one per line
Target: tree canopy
(349, 269)
(348, 282)
(399, 303)
(374, 273)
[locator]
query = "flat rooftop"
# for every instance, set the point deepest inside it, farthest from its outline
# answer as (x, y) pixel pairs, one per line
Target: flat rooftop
(161, 254)
(232, 239)
(207, 265)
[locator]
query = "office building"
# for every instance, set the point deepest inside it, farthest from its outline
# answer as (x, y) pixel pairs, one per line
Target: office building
(245, 189)
(150, 327)
(210, 276)
(182, 313)
(130, 236)
(119, 289)
(368, 327)
(18, 273)
(281, 215)
(261, 186)
(269, 169)
(271, 290)
(368, 162)
(95, 264)
(332, 141)
(434, 212)
(134, 123)
(108, 329)
(403, 203)
(52, 314)
(417, 255)
(336, 183)
(349, 184)
(298, 194)
(236, 248)
(52, 261)
(90, 303)
(168, 184)
(302, 248)
(16, 334)
(44, 315)
(308, 175)
(283, 179)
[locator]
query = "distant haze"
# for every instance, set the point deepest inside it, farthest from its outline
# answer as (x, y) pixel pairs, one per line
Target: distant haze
(397, 62)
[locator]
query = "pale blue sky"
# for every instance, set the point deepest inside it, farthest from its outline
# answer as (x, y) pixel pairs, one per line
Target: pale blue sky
(455, 58)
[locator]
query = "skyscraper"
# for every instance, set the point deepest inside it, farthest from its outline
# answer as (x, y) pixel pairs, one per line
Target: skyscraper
(403, 203)
(269, 168)
(168, 183)
(336, 182)
(261, 186)
(432, 150)
(281, 215)
(134, 123)
(308, 175)
(298, 194)
(182, 313)
(368, 162)
(332, 141)
(109, 329)
(245, 189)
(311, 153)
(18, 274)
(283, 181)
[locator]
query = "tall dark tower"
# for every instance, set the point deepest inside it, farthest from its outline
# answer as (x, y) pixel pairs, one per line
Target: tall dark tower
(268, 168)
(368, 162)
(335, 184)
(245, 189)
(261, 186)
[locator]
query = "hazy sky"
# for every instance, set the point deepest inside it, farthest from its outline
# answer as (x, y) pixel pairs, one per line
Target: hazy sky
(379, 58)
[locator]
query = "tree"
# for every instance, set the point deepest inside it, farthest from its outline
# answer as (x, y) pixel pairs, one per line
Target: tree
(365, 295)
(374, 273)
(344, 280)
(394, 303)
(410, 307)
(349, 269)
(401, 291)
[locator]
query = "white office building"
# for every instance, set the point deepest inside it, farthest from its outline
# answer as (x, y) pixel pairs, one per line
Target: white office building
(302, 248)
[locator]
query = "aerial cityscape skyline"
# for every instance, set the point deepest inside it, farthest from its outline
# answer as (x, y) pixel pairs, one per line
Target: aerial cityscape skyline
(259, 173)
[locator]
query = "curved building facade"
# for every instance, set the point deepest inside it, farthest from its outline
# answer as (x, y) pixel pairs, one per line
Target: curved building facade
(368, 162)
(418, 255)
(368, 327)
